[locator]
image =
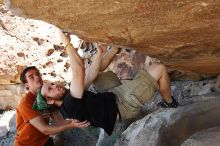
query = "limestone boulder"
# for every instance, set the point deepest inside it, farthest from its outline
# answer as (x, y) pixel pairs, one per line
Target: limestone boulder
(26, 42)
(183, 34)
(7, 128)
(127, 63)
(10, 95)
(170, 127)
(217, 84)
(205, 137)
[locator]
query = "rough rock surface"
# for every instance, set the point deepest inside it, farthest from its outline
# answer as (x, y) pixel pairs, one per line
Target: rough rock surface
(30, 42)
(170, 127)
(26, 42)
(7, 128)
(10, 95)
(207, 137)
(183, 34)
(217, 84)
(127, 63)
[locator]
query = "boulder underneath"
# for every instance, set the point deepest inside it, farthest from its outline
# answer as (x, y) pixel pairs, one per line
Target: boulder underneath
(10, 95)
(170, 127)
(207, 137)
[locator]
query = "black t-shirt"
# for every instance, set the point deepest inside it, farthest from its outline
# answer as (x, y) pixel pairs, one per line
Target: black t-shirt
(99, 109)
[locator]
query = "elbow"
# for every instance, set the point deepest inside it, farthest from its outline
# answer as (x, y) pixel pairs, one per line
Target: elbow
(101, 69)
(80, 72)
(83, 68)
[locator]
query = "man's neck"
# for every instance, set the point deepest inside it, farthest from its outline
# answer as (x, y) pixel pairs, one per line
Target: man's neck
(34, 92)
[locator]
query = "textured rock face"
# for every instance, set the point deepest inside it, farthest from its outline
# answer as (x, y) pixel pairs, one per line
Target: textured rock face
(205, 137)
(7, 128)
(10, 95)
(170, 127)
(30, 43)
(183, 34)
(128, 63)
(217, 84)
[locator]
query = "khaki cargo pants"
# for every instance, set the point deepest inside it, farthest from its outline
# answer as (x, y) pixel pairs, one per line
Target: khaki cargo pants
(131, 95)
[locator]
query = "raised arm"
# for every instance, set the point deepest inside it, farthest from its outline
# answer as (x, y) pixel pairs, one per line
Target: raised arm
(40, 124)
(108, 57)
(93, 69)
(77, 67)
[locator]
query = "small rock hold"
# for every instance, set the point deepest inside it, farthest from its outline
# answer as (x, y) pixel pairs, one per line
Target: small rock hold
(50, 51)
(64, 54)
(53, 74)
(58, 48)
(21, 54)
(49, 63)
(39, 41)
(60, 60)
(67, 65)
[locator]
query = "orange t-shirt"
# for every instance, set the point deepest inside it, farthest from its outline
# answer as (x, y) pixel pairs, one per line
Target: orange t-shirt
(26, 134)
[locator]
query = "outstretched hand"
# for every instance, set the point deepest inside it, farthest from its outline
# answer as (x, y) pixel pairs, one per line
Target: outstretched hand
(73, 123)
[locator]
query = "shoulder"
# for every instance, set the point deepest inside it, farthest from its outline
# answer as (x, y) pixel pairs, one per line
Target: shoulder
(107, 94)
(27, 99)
(26, 103)
(69, 98)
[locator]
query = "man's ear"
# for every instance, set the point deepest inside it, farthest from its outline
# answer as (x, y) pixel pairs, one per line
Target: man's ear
(50, 101)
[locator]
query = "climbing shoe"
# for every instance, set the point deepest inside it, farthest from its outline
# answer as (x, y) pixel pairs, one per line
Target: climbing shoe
(164, 104)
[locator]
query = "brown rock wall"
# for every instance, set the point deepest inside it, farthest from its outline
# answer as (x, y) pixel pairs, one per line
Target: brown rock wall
(10, 96)
(26, 42)
(183, 34)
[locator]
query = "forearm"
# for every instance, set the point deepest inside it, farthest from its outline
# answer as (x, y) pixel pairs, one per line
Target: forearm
(78, 73)
(93, 70)
(54, 129)
(107, 58)
(58, 118)
(72, 123)
(45, 128)
(75, 60)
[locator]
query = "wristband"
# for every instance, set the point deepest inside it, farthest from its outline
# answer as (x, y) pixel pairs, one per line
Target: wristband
(69, 44)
